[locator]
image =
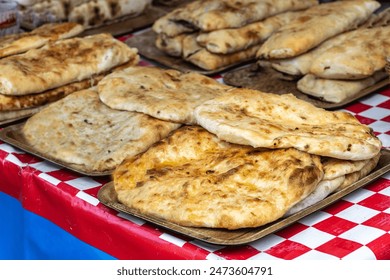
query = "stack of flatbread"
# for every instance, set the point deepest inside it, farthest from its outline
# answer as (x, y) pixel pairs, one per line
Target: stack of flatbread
(213, 34)
(44, 65)
(332, 63)
(237, 157)
(87, 13)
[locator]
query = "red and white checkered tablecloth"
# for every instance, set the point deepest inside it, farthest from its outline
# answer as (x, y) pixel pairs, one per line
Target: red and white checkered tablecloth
(355, 227)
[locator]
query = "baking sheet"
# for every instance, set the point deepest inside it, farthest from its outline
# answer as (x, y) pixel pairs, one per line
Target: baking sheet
(269, 80)
(145, 43)
(13, 135)
(107, 196)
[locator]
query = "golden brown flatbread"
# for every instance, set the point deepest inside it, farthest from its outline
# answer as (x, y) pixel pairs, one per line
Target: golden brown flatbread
(259, 119)
(314, 26)
(194, 179)
(62, 62)
(22, 42)
(9, 102)
(79, 129)
(164, 94)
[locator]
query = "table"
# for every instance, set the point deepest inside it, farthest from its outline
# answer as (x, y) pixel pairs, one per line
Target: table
(48, 212)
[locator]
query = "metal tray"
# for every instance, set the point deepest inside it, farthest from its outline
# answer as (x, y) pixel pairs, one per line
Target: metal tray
(107, 196)
(145, 43)
(13, 135)
(269, 80)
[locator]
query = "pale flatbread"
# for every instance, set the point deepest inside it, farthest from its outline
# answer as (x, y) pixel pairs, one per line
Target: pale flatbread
(231, 40)
(186, 46)
(211, 61)
(338, 174)
(6, 116)
(194, 179)
(314, 26)
(356, 176)
(79, 129)
(259, 119)
(362, 54)
(323, 189)
(300, 65)
(221, 14)
(22, 42)
(336, 91)
(96, 13)
(165, 94)
(62, 62)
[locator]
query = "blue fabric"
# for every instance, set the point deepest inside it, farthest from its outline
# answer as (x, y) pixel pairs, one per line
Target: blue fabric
(25, 235)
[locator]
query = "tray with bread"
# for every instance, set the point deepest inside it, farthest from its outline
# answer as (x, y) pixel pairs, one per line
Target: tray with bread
(267, 79)
(108, 196)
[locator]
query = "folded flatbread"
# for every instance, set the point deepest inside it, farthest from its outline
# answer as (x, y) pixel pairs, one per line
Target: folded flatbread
(194, 179)
(164, 94)
(96, 13)
(62, 62)
(314, 26)
(338, 174)
(336, 91)
(220, 14)
(236, 39)
(259, 119)
(79, 129)
(17, 102)
(358, 56)
(22, 42)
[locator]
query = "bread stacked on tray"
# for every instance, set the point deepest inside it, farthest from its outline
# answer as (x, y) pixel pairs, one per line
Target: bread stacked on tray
(213, 34)
(48, 63)
(188, 149)
(334, 50)
(85, 12)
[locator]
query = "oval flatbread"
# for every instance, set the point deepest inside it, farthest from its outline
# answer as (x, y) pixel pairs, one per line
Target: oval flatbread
(164, 94)
(259, 119)
(194, 179)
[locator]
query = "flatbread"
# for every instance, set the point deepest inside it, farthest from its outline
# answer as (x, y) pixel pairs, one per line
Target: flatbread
(356, 176)
(96, 13)
(7, 116)
(336, 91)
(164, 94)
(9, 102)
(362, 54)
(314, 26)
(194, 179)
(62, 62)
(172, 46)
(22, 42)
(79, 129)
(211, 61)
(300, 65)
(231, 40)
(338, 174)
(212, 15)
(251, 117)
